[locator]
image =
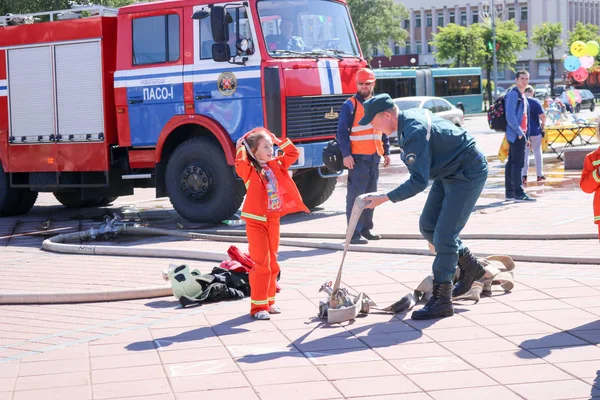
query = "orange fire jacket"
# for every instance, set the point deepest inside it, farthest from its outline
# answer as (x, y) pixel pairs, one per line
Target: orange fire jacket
(256, 203)
(590, 180)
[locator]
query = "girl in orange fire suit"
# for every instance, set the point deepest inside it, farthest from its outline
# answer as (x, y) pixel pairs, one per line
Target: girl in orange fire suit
(590, 179)
(270, 194)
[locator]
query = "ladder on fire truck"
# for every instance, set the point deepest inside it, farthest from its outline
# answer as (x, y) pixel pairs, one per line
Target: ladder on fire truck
(72, 13)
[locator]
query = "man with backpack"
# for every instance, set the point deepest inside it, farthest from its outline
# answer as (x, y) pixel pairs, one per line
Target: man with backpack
(362, 148)
(435, 149)
(517, 135)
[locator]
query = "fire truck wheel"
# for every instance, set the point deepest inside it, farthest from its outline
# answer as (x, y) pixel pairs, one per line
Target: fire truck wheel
(200, 184)
(73, 200)
(315, 190)
(106, 201)
(26, 201)
(13, 201)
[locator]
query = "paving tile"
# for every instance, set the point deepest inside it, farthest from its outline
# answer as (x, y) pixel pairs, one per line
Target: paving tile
(253, 337)
(385, 327)
(582, 369)
(547, 283)
(365, 369)
(466, 333)
(67, 353)
(537, 341)
(219, 394)
(6, 395)
(287, 375)
(299, 391)
(121, 361)
(123, 389)
(325, 357)
(52, 381)
(270, 361)
(394, 338)
(54, 367)
(522, 295)
(500, 319)
(430, 364)
(592, 336)
(7, 384)
(208, 382)
(9, 370)
(410, 396)
(72, 392)
(574, 292)
(567, 389)
(330, 344)
(479, 346)
(131, 374)
(412, 351)
(456, 321)
(168, 396)
(451, 380)
(488, 393)
(375, 386)
(526, 328)
(568, 354)
(537, 305)
(527, 374)
(502, 359)
(182, 356)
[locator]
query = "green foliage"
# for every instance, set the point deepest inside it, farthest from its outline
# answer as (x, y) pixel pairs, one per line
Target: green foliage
(583, 32)
(33, 6)
(511, 40)
(376, 23)
(547, 38)
(457, 45)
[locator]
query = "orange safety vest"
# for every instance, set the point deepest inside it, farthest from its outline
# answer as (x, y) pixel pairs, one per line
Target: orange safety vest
(364, 139)
(590, 181)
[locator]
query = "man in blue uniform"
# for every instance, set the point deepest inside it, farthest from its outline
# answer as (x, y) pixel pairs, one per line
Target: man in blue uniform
(362, 148)
(435, 149)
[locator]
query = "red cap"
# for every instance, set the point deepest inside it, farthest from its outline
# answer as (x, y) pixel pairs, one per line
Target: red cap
(365, 75)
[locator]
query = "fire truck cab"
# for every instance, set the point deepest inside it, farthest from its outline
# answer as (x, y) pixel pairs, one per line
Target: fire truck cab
(102, 101)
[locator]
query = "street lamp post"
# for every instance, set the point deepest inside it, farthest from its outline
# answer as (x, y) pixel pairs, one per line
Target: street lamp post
(494, 61)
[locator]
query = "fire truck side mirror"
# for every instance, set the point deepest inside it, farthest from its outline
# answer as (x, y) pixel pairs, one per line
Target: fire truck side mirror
(221, 52)
(200, 14)
(219, 19)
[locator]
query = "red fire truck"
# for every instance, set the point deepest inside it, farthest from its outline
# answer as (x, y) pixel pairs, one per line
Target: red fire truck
(97, 102)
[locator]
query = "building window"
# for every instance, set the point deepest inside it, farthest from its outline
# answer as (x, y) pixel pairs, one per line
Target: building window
(522, 65)
(155, 39)
(475, 15)
(418, 21)
(429, 48)
(406, 24)
(452, 18)
(396, 49)
(511, 13)
(429, 19)
(418, 46)
(407, 48)
(441, 20)
(463, 18)
(375, 51)
(523, 13)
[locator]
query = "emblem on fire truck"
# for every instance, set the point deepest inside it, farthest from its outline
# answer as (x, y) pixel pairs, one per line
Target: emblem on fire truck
(331, 114)
(227, 83)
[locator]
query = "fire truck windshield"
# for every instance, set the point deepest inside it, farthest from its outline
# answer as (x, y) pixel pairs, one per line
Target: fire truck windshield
(307, 28)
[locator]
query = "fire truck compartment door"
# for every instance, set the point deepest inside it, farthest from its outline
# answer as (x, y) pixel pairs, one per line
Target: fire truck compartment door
(31, 95)
(79, 92)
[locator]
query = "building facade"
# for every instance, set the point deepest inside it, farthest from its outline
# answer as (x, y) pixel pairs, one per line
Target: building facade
(426, 17)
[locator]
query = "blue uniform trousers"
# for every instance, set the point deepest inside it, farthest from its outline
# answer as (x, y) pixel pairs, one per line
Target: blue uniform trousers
(362, 179)
(447, 210)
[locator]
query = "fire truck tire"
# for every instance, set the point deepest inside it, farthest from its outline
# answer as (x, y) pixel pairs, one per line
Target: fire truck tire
(315, 190)
(200, 184)
(27, 199)
(106, 201)
(10, 198)
(73, 200)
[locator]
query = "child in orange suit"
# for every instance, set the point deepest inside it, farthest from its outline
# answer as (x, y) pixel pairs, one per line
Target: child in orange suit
(590, 179)
(270, 194)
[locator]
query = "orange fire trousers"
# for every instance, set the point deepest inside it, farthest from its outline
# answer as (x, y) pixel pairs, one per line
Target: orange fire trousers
(263, 244)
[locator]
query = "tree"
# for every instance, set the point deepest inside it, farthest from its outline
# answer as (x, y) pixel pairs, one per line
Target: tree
(376, 22)
(583, 32)
(547, 38)
(510, 41)
(33, 6)
(457, 45)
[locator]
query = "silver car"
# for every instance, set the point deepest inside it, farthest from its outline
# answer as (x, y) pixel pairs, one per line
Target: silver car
(436, 105)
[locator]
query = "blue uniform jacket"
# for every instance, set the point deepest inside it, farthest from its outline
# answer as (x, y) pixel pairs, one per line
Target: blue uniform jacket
(513, 108)
(436, 156)
(345, 124)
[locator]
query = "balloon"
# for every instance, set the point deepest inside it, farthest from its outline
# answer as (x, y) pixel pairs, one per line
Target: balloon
(580, 75)
(578, 48)
(586, 61)
(593, 48)
(572, 63)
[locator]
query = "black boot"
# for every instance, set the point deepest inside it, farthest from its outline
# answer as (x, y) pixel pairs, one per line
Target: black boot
(439, 305)
(470, 271)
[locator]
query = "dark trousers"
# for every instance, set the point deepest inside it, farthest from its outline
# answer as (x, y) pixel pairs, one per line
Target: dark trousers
(512, 173)
(362, 179)
(446, 212)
